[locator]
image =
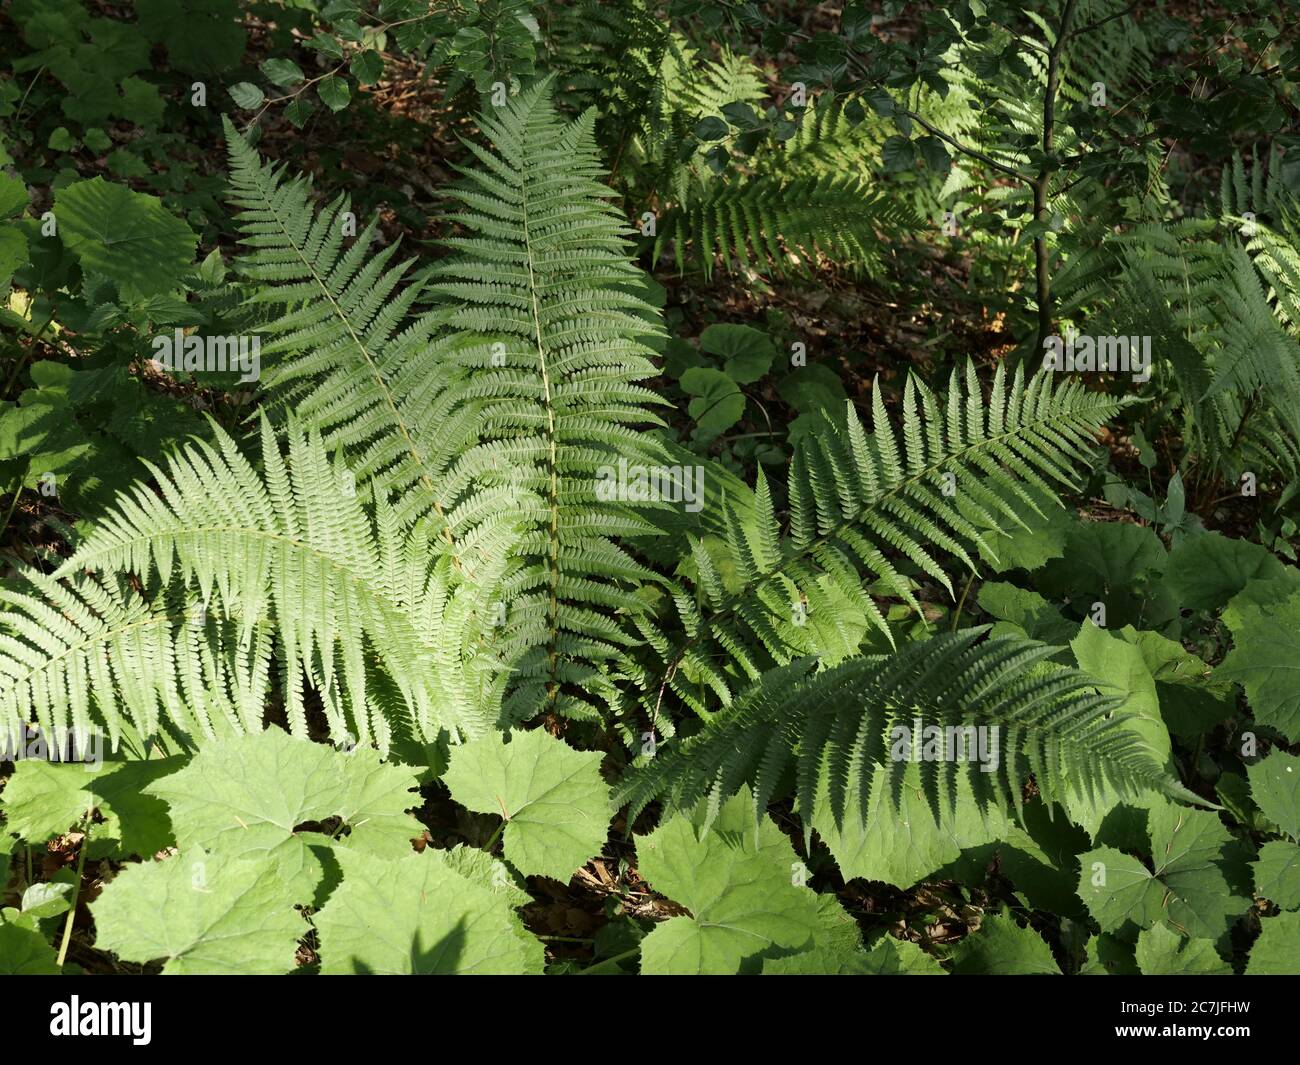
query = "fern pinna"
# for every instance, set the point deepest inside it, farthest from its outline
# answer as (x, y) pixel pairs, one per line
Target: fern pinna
(421, 543)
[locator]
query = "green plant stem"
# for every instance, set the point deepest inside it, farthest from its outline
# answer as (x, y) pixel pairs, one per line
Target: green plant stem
(496, 835)
(22, 361)
(1042, 183)
(72, 909)
(956, 617)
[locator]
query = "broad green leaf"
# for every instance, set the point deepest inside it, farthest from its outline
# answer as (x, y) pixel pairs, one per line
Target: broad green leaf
(13, 196)
(1163, 952)
(1108, 955)
(367, 67)
(334, 92)
(711, 128)
(1277, 950)
(1277, 873)
(1192, 699)
(1119, 890)
(1120, 670)
(740, 892)
(748, 354)
(45, 799)
(46, 899)
(282, 72)
(1002, 948)
(203, 37)
(1187, 885)
(247, 796)
(125, 236)
(13, 254)
(718, 405)
(1029, 546)
(1265, 659)
(24, 951)
(1204, 572)
(1024, 613)
(903, 848)
(1039, 858)
(1275, 787)
(417, 915)
(898, 153)
(935, 154)
(1112, 563)
(900, 957)
(554, 802)
(813, 388)
(487, 871)
(836, 947)
(889, 957)
(201, 913)
(141, 103)
(247, 95)
(61, 140)
(97, 140)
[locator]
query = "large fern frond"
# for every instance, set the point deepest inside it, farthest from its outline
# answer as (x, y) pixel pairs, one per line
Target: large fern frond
(770, 222)
(835, 726)
(545, 320)
(865, 507)
(296, 553)
(347, 354)
(91, 651)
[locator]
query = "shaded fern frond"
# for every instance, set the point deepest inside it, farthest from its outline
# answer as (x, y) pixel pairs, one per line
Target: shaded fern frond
(770, 223)
(859, 503)
(835, 727)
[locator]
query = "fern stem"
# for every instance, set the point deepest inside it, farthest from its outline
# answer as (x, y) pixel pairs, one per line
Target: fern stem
(18, 491)
(552, 460)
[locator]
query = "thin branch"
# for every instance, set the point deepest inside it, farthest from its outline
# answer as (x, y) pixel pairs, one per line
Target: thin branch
(966, 149)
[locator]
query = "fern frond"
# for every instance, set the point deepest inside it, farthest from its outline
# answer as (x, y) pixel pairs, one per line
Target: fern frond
(295, 553)
(836, 725)
(544, 321)
(87, 652)
(769, 222)
(343, 357)
(858, 502)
